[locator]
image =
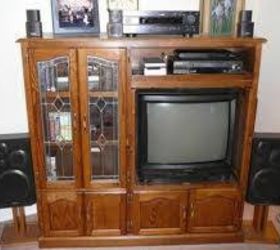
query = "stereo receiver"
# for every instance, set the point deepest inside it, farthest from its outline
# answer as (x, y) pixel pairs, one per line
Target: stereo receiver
(161, 22)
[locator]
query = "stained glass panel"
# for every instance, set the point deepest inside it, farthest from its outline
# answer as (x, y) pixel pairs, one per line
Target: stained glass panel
(103, 117)
(53, 76)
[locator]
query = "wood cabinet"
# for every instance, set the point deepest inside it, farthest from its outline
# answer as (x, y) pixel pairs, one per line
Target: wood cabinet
(105, 214)
(214, 211)
(159, 213)
(62, 213)
(82, 116)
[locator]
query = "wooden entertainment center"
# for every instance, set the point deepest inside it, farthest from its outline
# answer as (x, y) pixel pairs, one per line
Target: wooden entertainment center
(82, 113)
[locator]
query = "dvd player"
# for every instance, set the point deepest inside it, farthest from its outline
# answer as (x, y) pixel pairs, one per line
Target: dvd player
(207, 66)
(208, 61)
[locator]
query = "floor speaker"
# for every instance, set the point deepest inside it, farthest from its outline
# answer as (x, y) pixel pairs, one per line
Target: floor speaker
(16, 174)
(264, 176)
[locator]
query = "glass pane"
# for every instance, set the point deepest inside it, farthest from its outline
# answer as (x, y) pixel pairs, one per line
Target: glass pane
(56, 116)
(103, 117)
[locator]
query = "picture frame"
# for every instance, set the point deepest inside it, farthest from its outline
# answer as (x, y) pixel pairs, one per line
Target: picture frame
(123, 4)
(220, 17)
(75, 17)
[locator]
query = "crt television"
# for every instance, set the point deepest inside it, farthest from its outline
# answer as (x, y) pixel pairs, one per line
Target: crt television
(186, 135)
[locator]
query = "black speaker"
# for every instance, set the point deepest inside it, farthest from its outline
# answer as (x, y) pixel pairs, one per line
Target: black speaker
(16, 174)
(33, 24)
(245, 27)
(264, 176)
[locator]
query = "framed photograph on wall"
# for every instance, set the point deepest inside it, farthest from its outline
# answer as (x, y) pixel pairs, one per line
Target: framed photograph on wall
(123, 4)
(75, 16)
(220, 17)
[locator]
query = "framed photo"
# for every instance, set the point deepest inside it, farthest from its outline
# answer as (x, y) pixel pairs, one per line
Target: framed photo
(220, 17)
(75, 16)
(123, 4)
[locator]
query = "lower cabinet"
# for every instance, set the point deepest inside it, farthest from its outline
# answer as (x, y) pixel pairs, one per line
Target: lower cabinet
(158, 213)
(73, 214)
(105, 214)
(62, 213)
(214, 210)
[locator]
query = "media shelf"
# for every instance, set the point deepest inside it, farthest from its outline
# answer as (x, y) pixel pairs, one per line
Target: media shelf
(54, 144)
(243, 80)
(89, 190)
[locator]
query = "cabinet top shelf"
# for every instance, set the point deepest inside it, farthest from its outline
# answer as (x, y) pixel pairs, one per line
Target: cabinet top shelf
(141, 41)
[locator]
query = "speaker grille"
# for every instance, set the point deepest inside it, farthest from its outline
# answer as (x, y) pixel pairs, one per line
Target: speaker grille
(16, 175)
(264, 177)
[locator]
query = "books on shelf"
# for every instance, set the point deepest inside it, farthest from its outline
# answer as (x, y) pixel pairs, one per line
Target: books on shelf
(51, 168)
(60, 126)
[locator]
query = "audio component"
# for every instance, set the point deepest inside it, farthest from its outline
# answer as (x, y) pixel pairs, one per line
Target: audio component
(16, 174)
(207, 61)
(245, 27)
(264, 176)
(33, 23)
(154, 66)
(161, 22)
(115, 25)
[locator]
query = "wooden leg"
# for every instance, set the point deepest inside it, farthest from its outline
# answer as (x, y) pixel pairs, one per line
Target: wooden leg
(260, 218)
(19, 230)
(260, 230)
(22, 220)
(16, 219)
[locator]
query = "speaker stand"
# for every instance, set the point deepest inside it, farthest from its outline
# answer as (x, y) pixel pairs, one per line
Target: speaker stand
(260, 230)
(18, 230)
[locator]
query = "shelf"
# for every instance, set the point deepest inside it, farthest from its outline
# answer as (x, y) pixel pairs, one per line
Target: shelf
(54, 94)
(108, 142)
(193, 81)
(106, 94)
(54, 144)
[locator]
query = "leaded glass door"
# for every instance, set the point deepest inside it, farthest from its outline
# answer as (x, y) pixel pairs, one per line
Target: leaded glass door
(102, 84)
(56, 90)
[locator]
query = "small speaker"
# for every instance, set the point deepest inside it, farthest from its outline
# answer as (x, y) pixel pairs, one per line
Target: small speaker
(264, 176)
(115, 25)
(33, 23)
(115, 16)
(245, 27)
(246, 16)
(16, 174)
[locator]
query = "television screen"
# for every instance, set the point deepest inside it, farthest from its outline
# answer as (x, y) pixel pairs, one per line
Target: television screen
(182, 132)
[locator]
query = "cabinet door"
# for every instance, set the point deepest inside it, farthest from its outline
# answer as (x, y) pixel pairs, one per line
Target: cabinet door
(102, 82)
(105, 214)
(55, 102)
(159, 213)
(214, 211)
(62, 213)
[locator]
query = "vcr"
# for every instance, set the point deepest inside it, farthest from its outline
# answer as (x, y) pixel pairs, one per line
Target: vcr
(161, 22)
(208, 61)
